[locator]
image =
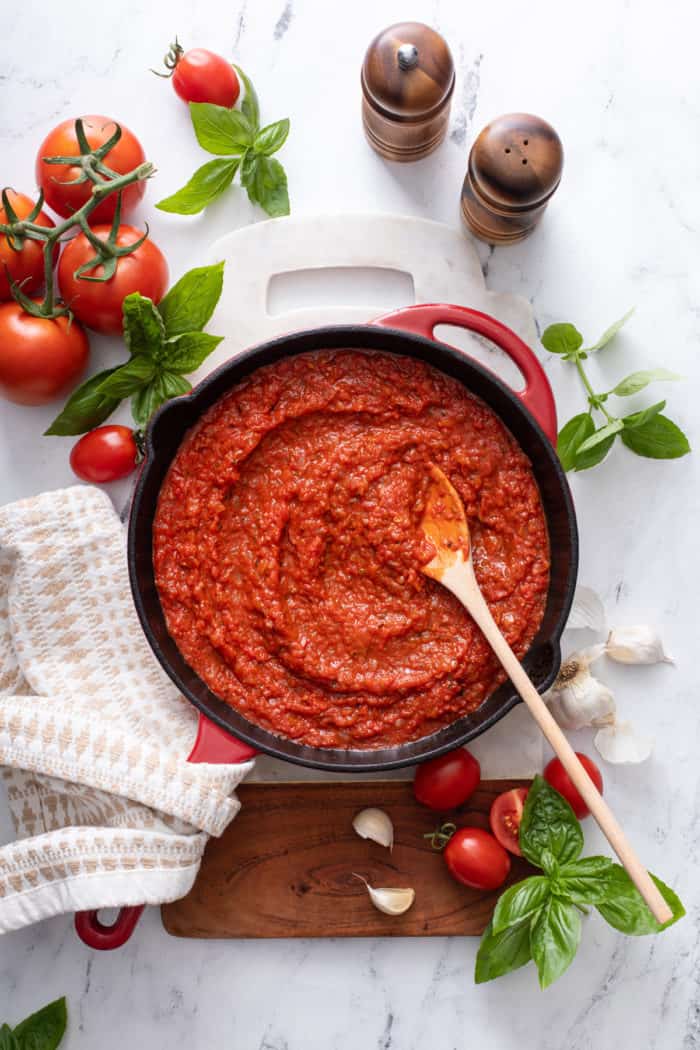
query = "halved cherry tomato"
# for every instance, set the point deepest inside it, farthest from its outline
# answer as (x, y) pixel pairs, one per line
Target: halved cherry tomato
(40, 358)
(26, 266)
(55, 179)
(105, 454)
(505, 816)
(202, 76)
(447, 781)
(556, 775)
(98, 304)
(475, 859)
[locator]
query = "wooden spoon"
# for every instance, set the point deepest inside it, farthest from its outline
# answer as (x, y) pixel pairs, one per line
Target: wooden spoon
(444, 524)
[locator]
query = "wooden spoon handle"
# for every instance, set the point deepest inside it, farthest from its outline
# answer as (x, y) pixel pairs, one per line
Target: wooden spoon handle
(463, 584)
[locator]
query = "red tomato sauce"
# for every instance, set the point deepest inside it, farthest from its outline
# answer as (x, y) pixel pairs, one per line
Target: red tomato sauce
(287, 551)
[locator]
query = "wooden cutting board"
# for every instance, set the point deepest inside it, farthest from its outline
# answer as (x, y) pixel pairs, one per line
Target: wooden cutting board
(284, 867)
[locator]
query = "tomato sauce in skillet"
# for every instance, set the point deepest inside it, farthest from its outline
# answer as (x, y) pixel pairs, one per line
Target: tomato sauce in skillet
(287, 552)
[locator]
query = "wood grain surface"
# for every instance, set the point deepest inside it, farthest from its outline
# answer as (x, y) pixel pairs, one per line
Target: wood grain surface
(284, 867)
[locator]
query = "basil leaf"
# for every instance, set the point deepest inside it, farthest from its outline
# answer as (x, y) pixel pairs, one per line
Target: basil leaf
(185, 353)
(207, 183)
(142, 325)
(190, 303)
(585, 881)
(220, 130)
(637, 419)
(266, 183)
(174, 385)
(609, 430)
(548, 823)
(554, 939)
(250, 106)
(625, 909)
(571, 435)
(271, 138)
(85, 408)
(586, 460)
(520, 902)
(44, 1029)
(658, 438)
(636, 381)
(7, 1039)
(610, 333)
(500, 953)
(129, 378)
(561, 339)
(145, 401)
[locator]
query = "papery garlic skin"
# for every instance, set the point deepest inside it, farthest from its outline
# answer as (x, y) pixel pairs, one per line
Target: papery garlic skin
(392, 900)
(376, 825)
(587, 611)
(636, 645)
(621, 744)
(577, 700)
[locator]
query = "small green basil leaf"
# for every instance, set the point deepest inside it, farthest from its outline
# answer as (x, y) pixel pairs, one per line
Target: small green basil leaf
(85, 408)
(625, 909)
(520, 902)
(548, 863)
(207, 183)
(266, 183)
(637, 419)
(174, 385)
(571, 435)
(272, 137)
(549, 823)
(7, 1039)
(561, 339)
(554, 939)
(658, 438)
(609, 430)
(636, 381)
(250, 106)
(500, 953)
(185, 353)
(220, 130)
(126, 380)
(586, 460)
(610, 333)
(44, 1029)
(585, 881)
(145, 401)
(142, 326)
(190, 303)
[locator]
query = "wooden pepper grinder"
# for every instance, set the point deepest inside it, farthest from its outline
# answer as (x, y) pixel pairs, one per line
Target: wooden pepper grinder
(514, 168)
(408, 78)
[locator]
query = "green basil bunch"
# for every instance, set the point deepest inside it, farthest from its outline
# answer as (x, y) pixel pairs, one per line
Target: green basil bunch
(240, 144)
(43, 1030)
(539, 919)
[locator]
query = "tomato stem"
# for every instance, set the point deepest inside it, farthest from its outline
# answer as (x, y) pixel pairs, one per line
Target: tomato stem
(441, 836)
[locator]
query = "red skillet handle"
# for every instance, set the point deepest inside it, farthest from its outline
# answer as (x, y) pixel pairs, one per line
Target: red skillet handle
(537, 395)
(213, 745)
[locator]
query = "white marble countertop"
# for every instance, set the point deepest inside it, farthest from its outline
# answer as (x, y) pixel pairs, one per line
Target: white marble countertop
(620, 82)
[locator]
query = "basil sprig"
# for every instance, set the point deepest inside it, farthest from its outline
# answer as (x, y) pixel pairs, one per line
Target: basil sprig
(539, 919)
(166, 343)
(581, 443)
(235, 137)
(42, 1030)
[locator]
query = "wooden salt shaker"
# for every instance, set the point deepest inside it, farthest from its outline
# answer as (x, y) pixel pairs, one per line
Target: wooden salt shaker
(514, 168)
(408, 79)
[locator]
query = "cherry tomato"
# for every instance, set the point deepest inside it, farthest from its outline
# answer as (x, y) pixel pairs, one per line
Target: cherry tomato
(40, 358)
(105, 454)
(556, 775)
(202, 76)
(475, 859)
(54, 179)
(447, 781)
(25, 267)
(98, 304)
(505, 816)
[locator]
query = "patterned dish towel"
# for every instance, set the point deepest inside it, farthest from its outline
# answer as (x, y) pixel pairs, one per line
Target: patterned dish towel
(94, 737)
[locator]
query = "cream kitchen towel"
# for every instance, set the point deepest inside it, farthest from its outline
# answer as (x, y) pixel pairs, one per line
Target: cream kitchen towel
(93, 736)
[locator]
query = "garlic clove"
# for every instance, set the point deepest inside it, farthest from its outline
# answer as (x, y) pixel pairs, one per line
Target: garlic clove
(577, 699)
(586, 612)
(376, 825)
(621, 744)
(391, 900)
(636, 645)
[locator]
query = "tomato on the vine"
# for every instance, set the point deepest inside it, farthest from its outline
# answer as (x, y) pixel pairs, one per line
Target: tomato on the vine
(556, 775)
(447, 781)
(98, 304)
(105, 454)
(26, 266)
(203, 76)
(40, 357)
(505, 816)
(475, 859)
(55, 179)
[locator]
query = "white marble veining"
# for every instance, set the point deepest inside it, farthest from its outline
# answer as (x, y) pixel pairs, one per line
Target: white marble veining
(620, 82)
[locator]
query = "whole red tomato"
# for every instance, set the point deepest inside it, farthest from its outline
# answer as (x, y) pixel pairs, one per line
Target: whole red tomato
(556, 775)
(505, 816)
(40, 358)
(202, 76)
(98, 304)
(25, 267)
(105, 454)
(475, 859)
(54, 179)
(447, 781)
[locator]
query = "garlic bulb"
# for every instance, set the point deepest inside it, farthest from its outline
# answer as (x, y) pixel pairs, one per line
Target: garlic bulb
(577, 699)
(586, 612)
(391, 900)
(374, 824)
(636, 645)
(619, 743)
